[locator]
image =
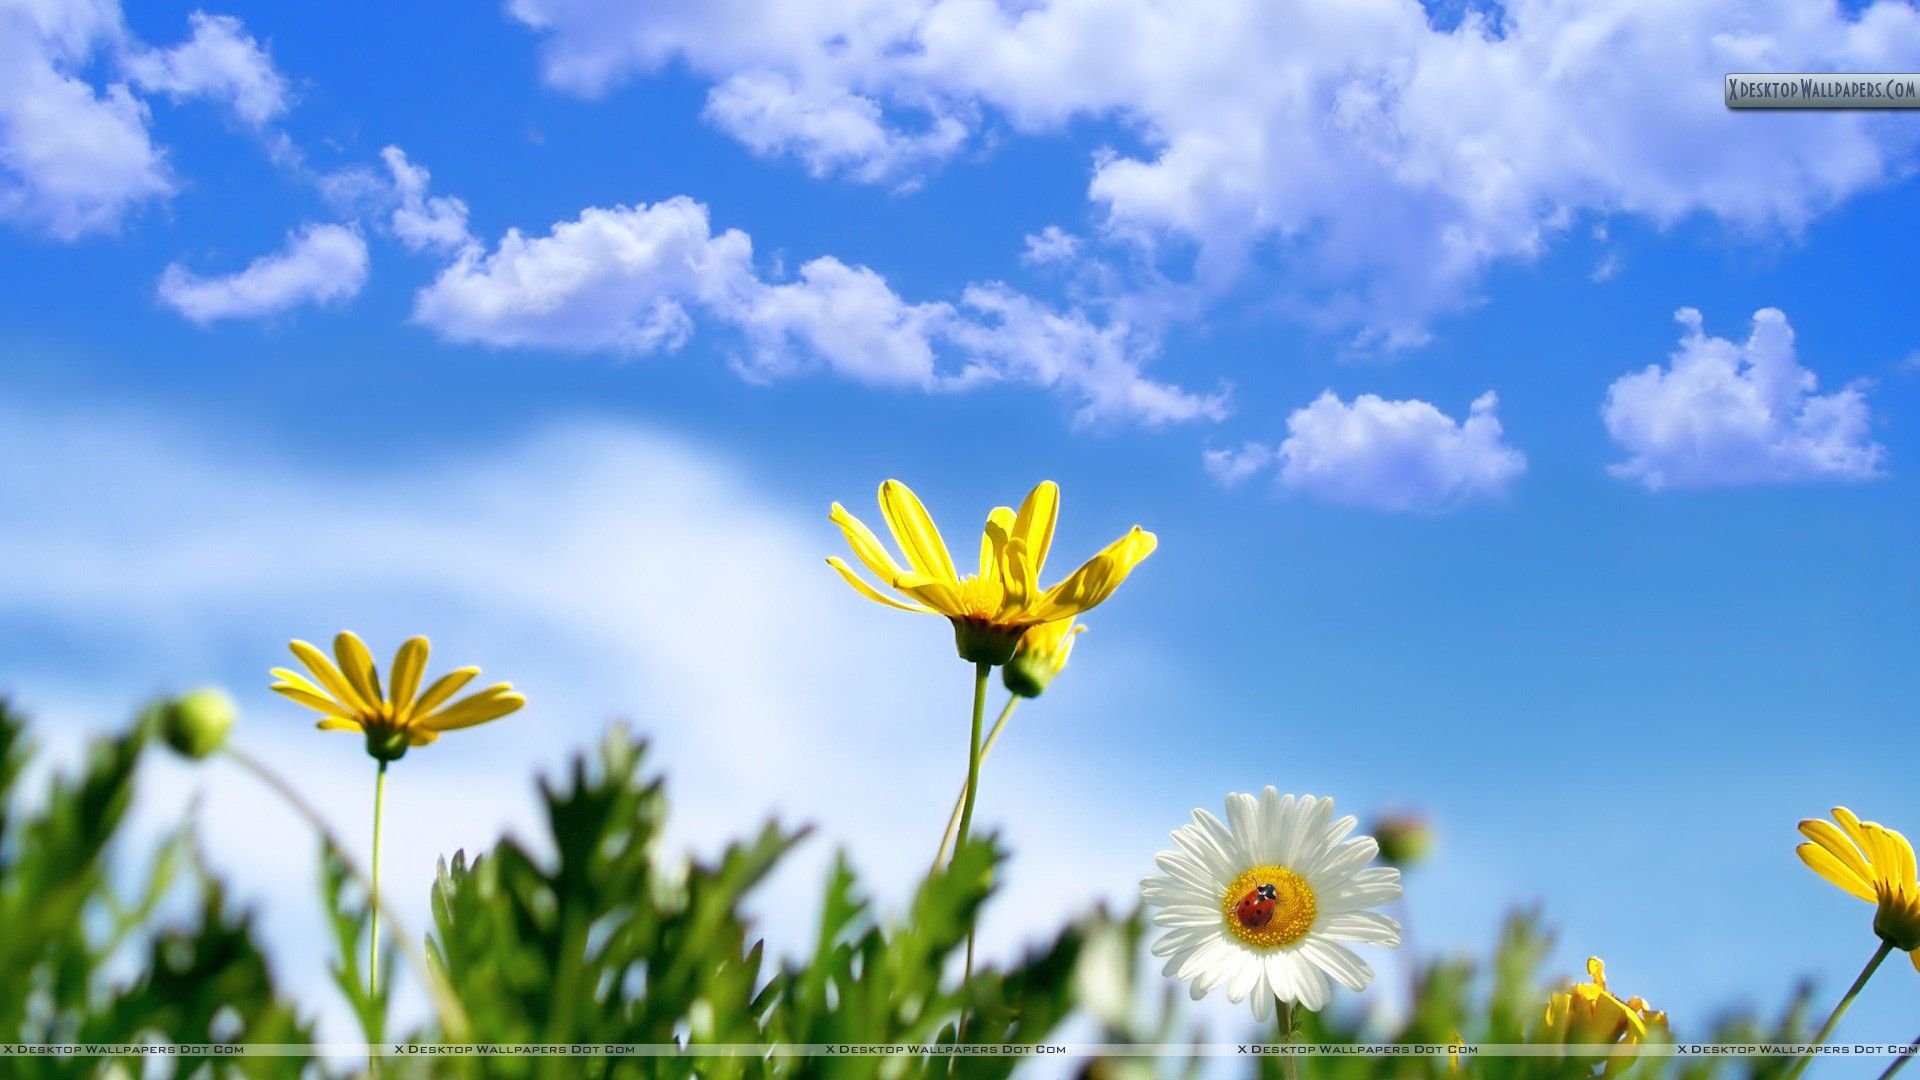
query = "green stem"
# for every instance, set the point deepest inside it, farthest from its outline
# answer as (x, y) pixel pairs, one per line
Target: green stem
(1286, 1027)
(1840, 1010)
(453, 1018)
(373, 938)
(980, 673)
(1900, 1062)
(960, 797)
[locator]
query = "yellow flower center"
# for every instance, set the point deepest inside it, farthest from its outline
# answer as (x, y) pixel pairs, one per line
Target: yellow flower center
(1269, 906)
(979, 598)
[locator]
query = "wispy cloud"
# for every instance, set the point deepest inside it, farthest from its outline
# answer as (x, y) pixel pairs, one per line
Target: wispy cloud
(320, 264)
(635, 279)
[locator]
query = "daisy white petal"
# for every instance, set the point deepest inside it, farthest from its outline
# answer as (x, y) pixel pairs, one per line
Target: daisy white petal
(1338, 961)
(1341, 863)
(1257, 904)
(1365, 926)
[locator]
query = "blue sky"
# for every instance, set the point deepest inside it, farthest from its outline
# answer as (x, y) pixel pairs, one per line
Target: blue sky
(574, 400)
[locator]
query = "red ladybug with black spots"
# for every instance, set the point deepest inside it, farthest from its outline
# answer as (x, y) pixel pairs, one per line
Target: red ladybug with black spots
(1256, 908)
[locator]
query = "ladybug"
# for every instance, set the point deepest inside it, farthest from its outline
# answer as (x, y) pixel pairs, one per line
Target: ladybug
(1256, 908)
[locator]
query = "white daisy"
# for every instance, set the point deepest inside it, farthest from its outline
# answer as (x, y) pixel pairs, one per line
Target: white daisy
(1260, 903)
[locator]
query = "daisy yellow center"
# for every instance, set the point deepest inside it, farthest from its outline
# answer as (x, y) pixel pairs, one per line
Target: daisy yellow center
(979, 598)
(1246, 913)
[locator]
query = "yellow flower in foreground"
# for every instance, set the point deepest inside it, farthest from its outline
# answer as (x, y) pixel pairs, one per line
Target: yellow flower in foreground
(1590, 1013)
(350, 697)
(990, 610)
(1874, 863)
(1041, 655)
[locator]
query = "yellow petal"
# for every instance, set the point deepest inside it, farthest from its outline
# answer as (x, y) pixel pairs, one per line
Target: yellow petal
(1096, 580)
(914, 531)
(1034, 524)
(329, 676)
(419, 736)
(1822, 862)
(356, 663)
(1019, 586)
(295, 679)
(1851, 824)
(993, 538)
(1904, 868)
(442, 689)
(490, 704)
(317, 702)
(409, 663)
(860, 585)
(1890, 854)
(1915, 957)
(334, 723)
(866, 546)
(1828, 836)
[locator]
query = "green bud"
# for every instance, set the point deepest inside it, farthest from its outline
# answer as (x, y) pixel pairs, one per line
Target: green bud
(1405, 839)
(1028, 674)
(196, 724)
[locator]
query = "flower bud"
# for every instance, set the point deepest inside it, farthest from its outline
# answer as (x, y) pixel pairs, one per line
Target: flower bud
(196, 724)
(1405, 839)
(1041, 655)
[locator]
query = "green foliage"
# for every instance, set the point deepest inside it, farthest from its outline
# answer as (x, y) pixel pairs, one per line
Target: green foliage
(81, 963)
(604, 944)
(349, 915)
(593, 936)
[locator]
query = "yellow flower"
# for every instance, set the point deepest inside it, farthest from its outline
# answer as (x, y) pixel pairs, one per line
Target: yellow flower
(1874, 863)
(990, 610)
(1040, 656)
(349, 695)
(1590, 1013)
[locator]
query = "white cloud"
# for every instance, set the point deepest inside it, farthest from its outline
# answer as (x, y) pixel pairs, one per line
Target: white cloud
(849, 318)
(423, 221)
(1723, 413)
(1050, 245)
(77, 158)
(1385, 455)
(618, 279)
(1232, 466)
(1381, 163)
(603, 569)
(321, 264)
(220, 61)
(74, 159)
(831, 130)
(1013, 336)
(633, 279)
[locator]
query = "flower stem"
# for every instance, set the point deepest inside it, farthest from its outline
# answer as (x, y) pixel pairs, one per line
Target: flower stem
(1840, 1010)
(1900, 1062)
(960, 797)
(980, 673)
(453, 1018)
(1286, 1029)
(373, 938)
